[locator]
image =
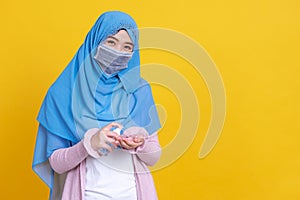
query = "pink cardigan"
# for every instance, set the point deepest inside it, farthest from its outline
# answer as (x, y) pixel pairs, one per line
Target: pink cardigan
(69, 166)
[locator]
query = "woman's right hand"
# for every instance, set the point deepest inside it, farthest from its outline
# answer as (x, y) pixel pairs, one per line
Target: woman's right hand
(105, 136)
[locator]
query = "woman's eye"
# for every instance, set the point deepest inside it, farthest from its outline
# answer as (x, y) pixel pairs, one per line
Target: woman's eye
(128, 48)
(110, 42)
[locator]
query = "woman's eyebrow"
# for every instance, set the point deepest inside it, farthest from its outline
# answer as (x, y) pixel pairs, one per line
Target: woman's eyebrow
(130, 43)
(112, 37)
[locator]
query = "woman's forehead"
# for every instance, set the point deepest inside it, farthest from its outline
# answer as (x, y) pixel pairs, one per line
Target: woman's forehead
(121, 35)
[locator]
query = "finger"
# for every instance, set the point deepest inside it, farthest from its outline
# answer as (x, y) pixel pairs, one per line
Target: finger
(113, 124)
(111, 134)
(135, 144)
(129, 142)
(111, 137)
(116, 143)
(138, 139)
(110, 140)
(118, 138)
(124, 145)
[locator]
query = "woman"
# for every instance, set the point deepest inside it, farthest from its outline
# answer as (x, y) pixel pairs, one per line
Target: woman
(100, 90)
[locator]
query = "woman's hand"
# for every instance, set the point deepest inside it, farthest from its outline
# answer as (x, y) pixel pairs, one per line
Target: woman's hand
(105, 136)
(132, 142)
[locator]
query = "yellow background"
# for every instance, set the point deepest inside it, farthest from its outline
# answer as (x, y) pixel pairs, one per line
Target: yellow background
(255, 45)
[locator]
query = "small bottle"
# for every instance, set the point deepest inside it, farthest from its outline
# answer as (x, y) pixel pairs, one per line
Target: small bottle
(104, 151)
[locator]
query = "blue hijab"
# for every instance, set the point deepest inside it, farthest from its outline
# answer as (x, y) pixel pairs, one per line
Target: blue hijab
(83, 97)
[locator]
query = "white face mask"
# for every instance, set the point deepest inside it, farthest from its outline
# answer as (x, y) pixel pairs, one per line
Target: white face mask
(110, 60)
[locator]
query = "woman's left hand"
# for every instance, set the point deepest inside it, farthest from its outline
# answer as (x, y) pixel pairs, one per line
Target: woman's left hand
(132, 142)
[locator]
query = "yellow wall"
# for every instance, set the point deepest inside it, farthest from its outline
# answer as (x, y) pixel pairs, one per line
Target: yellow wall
(255, 45)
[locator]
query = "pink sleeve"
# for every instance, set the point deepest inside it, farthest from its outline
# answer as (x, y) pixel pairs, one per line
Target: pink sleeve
(150, 151)
(65, 159)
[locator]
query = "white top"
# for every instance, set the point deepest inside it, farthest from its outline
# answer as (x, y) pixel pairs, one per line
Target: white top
(110, 177)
